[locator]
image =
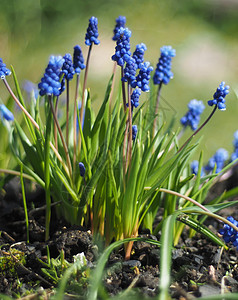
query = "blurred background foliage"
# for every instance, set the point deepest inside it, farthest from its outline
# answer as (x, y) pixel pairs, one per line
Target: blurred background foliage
(203, 32)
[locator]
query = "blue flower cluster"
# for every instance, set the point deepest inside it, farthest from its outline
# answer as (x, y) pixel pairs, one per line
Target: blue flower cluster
(234, 155)
(68, 68)
(3, 70)
(163, 72)
(194, 168)
(144, 76)
(134, 132)
(219, 96)
(50, 82)
(81, 169)
(135, 98)
(5, 113)
(218, 159)
(130, 72)
(138, 54)
(92, 32)
(192, 117)
(78, 59)
(120, 22)
(230, 234)
(122, 51)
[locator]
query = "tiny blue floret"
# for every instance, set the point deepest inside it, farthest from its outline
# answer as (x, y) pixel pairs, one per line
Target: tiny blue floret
(122, 51)
(120, 22)
(134, 132)
(138, 54)
(130, 72)
(218, 159)
(3, 70)
(192, 117)
(5, 113)
(234, 155)
(135, 98)
(219, 96)
(230, 234)
(163, 72)
(92, 32)
(78, 59)
(50, 83)
(68, 68)
(194, 168)
(81, 169)
(144, 76)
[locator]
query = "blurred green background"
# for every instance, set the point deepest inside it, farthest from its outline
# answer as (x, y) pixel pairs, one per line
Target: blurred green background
(203, 32)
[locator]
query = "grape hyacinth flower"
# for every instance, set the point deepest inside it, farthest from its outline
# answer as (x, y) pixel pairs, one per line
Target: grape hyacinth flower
(120, 22)
(194, 168)
(163, 72)
(122, 51)
(92, 32)
(68, 68)
(218, 159)
(135, 98)
(130, 72)
(50, 82)
(144, 76)
(134, 132)
(5, 113)
(234, 155)
(4, 71)
(219, 96)
(78, 59)
(230, 234)
(81, 169)
(138, 54)
(192, 117)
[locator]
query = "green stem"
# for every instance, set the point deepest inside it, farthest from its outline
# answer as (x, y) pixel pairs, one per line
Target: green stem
(24, 204)
(203, 124)
(75, 121)
(47, 173)
(156, 109)
(123, 90)
(67, 113)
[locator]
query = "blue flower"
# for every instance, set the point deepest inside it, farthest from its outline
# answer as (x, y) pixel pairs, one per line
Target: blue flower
(50, 82)
(194, 168)
(192, 117)
(3, 70)
(78, 59)
(138, 54)
(134, 132)
(92, 32)
(68, 68)
(120, 22)
(163, 72)
(219, 96)
(135, 98)
(130, 72)
(230, 234)
(144, 76)
(5, 113)
(234, 155)
(218, 159)
(122, 52)
(81, 169)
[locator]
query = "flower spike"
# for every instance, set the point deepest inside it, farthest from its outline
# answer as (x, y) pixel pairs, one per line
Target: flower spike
(92, 32)
(219, 96)
(120, 22)
(192, 117)
(78, 59)
(67, 67)
(163, 72)
(218, 159)
(4, 71)
(122, 53)
(5, 113)
(50, 82)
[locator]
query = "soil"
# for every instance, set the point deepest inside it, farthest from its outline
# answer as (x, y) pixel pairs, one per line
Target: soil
(199, 267)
